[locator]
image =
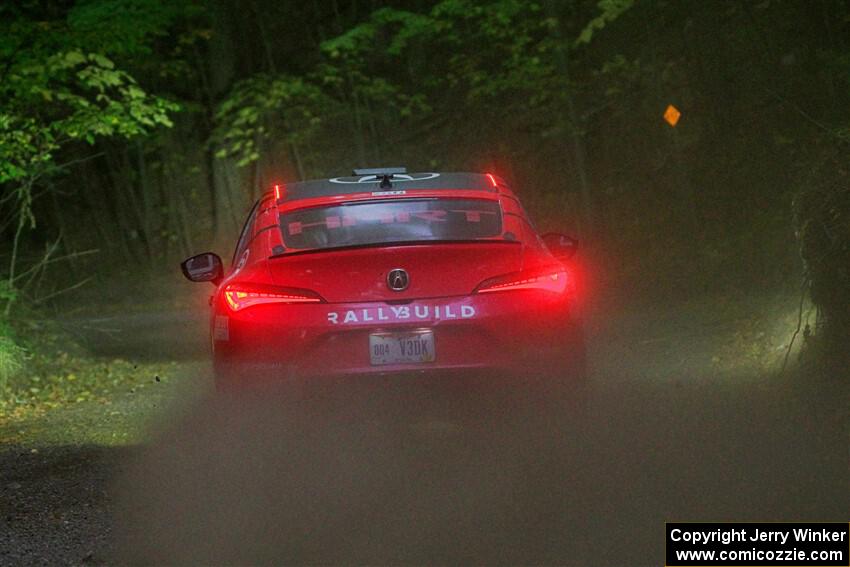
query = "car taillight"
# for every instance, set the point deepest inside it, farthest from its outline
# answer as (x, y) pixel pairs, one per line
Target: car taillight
(239, 296)
(555, 280)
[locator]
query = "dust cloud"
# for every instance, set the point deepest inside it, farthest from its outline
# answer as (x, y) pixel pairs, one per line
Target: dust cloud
(413, 472)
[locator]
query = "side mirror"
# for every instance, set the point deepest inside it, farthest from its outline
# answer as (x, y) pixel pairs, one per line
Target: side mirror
(206, 267)
(561, 246)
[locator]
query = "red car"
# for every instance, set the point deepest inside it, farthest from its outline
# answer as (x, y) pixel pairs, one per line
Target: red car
(390, 273)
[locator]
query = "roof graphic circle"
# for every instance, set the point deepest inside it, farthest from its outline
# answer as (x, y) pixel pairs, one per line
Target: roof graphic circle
(396, 178)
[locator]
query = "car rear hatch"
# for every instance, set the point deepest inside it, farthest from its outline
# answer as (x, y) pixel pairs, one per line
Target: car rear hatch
(434, 270)
(345, 252)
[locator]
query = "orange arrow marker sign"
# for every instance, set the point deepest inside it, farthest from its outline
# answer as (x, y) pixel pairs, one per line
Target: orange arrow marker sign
(672, 115)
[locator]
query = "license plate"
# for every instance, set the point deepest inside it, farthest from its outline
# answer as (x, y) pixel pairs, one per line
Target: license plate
(401, 348)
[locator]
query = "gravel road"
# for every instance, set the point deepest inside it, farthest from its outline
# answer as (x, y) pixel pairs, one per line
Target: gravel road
(389, 478)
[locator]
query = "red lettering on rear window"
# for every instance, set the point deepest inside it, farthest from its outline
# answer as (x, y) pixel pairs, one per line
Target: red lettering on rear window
(391, 221)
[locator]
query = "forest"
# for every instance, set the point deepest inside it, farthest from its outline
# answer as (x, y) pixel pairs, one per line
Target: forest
(696, 149)
(134, 133)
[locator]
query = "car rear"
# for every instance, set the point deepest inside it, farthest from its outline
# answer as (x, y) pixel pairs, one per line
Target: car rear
(433, 282)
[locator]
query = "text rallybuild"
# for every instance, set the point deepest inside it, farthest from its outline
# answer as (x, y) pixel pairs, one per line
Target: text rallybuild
(805, 544)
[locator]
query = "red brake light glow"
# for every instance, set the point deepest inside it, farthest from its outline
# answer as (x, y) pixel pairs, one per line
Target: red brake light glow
(278, 192)
(492, 179)
(555, 281)
(240, 297)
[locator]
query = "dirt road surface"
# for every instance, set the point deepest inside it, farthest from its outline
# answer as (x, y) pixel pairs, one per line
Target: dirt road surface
(680, 425)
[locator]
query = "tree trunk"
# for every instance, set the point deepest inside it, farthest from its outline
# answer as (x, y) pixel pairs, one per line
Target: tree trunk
(147, 212)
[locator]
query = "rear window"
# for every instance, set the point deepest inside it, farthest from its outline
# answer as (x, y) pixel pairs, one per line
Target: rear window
(384, 222)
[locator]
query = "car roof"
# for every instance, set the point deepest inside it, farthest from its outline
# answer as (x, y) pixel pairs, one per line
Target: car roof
(430, 181)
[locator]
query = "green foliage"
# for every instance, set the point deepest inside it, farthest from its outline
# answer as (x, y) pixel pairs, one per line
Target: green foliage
(8, 293)
(65, 97)
(60, 86)
(267, 107)
(609, 10)
(61, 89)
(58, 379)
(461, 57)
(399, 69)
(566, 98)
(353, 44)
(125, 27)
(11, 358)
(451, 35)
(50, 371)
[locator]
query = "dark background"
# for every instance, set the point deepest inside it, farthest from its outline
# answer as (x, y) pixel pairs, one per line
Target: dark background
(565, 99)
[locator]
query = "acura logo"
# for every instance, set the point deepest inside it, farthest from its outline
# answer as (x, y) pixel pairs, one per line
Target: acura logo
(398, 280)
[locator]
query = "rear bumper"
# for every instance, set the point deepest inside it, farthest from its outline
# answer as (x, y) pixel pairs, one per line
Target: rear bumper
(512, 333)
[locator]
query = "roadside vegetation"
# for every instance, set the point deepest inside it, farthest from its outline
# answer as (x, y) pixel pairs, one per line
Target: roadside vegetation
(134, 133)
(43, 369)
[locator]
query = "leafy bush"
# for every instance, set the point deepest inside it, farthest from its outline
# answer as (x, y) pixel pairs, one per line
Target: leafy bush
(11, 358)
(43, 368)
